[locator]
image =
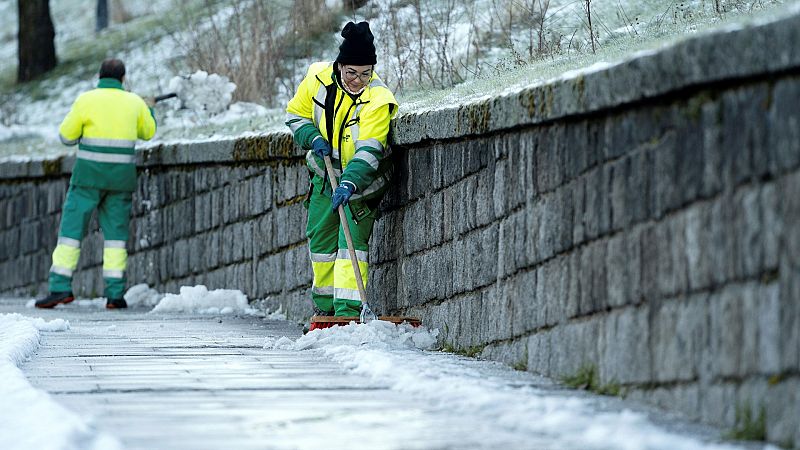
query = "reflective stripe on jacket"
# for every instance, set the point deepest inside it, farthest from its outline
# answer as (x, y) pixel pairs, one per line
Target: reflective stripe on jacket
(359, 129)
(105, 123)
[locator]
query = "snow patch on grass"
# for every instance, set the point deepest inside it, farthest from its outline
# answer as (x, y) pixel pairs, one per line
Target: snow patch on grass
(201, 92)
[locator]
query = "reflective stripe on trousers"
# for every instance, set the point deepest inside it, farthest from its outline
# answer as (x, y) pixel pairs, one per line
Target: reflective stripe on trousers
(66, 256)
(115, 259)
(322, 265)
(345, 284)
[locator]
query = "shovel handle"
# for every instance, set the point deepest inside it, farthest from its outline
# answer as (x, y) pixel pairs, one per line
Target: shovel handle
(346, 228)
(158, 98)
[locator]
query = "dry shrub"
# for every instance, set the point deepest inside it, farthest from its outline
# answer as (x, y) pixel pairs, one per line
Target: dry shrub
(419, 43)
(254, 43)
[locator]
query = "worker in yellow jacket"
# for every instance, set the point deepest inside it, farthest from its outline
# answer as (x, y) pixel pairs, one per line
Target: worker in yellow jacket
(342, 109)
(105, 124)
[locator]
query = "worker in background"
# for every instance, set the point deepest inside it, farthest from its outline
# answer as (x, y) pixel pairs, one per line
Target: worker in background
(105, 124)
(342, 109)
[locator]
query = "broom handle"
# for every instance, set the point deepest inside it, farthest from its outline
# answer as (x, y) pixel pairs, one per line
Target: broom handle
(346, 227)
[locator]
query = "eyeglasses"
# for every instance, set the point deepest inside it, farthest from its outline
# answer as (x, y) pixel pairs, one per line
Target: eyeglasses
(350, 75)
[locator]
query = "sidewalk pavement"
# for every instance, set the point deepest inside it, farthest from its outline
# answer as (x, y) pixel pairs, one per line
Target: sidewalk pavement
(188, 382)
(184, 381)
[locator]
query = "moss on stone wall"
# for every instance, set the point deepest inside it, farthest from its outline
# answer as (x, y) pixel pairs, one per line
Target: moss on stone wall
(52, 167)
(262, 148)
(586, 378)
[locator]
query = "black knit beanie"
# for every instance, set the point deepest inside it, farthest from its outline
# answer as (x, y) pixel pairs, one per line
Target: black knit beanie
(357, 49)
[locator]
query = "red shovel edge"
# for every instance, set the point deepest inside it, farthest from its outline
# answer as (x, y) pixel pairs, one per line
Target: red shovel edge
(318, 322)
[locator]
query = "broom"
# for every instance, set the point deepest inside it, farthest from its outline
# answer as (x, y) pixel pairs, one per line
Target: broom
(366, 312)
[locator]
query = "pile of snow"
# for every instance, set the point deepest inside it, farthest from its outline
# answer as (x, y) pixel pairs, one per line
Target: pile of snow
(376, 334)
(192, 299)
(199, 299)
(37, 322)
(36, 420)
(142, 295)
(278, 314)
(203, 92)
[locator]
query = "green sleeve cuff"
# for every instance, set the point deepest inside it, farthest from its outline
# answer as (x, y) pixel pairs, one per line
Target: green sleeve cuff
(153, 114)
(305, 135)
(362, 172)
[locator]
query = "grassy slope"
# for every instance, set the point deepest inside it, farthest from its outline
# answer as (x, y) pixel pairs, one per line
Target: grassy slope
(665, 25)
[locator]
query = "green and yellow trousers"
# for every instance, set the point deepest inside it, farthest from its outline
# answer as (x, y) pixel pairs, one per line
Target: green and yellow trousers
(113, 214)
(334, 288)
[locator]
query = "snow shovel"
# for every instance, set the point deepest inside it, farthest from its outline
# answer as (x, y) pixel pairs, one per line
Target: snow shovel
(366, 312)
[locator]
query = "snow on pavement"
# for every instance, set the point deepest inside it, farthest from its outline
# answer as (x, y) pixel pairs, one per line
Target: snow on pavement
(484, 392)
(142, 295)
(489, 403)
(30, 418)
(191, 299)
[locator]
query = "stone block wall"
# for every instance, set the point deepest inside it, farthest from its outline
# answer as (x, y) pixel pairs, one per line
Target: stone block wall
(639, 218)
(227, 214)
(659, 254)
(29, 212)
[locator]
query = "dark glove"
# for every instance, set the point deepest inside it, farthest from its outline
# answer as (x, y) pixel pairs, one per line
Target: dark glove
(321, 147)
(342, 194)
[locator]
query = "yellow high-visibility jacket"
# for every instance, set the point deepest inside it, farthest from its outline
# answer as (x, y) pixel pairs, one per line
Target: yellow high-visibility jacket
(357, 129)
(105, 123)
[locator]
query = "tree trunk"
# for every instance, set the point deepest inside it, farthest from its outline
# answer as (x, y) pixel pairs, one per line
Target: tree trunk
(36, 50)
(352, 5)
(591, 30)
(102, 16)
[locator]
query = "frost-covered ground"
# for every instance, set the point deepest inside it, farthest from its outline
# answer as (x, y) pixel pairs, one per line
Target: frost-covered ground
(489, 404)
(149, 44)
(628, 28)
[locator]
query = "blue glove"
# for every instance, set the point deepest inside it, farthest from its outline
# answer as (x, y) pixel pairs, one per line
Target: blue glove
(321, 147)
(342, 194)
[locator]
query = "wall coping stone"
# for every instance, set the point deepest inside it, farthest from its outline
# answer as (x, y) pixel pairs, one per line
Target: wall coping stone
(736, 51)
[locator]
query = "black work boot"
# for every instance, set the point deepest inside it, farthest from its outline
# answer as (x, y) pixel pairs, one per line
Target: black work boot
(116, 303)
(319, 312)
(54, 299)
